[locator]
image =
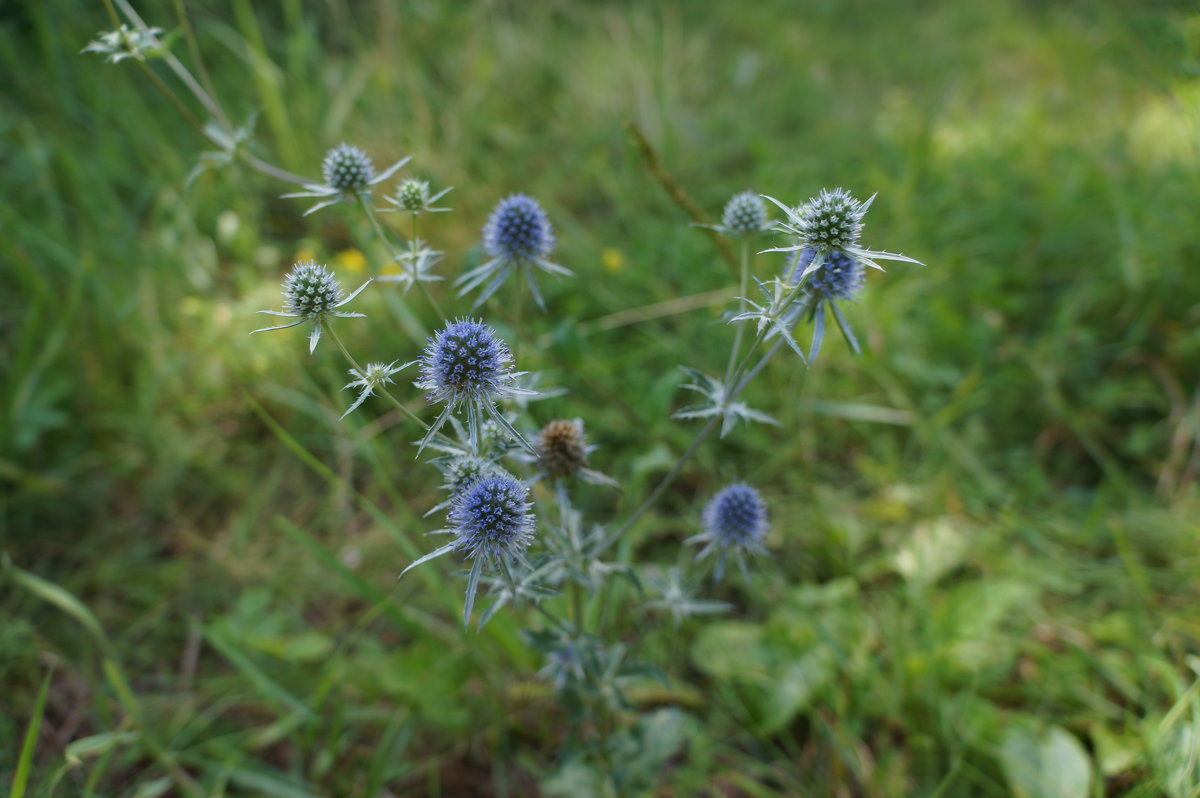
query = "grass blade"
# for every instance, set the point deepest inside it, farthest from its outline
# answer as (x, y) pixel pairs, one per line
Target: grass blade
(25, 760)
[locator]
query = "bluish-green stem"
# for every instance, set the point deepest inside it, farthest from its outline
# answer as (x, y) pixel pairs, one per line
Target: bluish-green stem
(739, 379)
(364, 201)
(743, 287)
(383, 391)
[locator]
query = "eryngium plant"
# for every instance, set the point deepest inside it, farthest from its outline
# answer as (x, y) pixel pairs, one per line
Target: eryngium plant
(467, 368)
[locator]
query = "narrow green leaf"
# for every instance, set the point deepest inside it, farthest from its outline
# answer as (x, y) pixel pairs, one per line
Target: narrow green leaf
(25, 760)
(59, 597)
(268, 687)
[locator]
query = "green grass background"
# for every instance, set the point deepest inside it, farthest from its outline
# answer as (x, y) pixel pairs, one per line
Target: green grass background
(997, 596)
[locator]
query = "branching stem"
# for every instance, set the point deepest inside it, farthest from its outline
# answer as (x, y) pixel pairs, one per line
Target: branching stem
(381, 389)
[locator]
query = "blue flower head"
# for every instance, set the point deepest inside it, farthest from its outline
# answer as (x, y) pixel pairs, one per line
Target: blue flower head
(840, 277)
(347, 168)
(310, 290)
(491, 522)
(490, 519)
(348, 174)
(517, 237)
(734, 522)
(518, 230)
(465, 360)
(312, 294)
(832, 220)
(736, 518)
(466, 363)
(745, 215)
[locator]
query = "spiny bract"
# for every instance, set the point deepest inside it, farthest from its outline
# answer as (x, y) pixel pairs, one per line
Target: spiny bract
(465, 360)
(736, 518)
(347, 168)
(841, 276)
(518, 229)
(745, 215)
(491, 518)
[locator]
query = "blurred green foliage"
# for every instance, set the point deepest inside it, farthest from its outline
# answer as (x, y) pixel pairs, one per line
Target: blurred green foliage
(995, 596)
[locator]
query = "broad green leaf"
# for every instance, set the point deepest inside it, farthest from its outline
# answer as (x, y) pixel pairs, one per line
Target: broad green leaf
(795, 686)
(1050, 763)
(731, 649)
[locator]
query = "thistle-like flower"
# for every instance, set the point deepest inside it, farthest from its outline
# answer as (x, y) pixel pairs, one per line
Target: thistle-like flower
(373, 377)
(562, 453)
(734, 522)
(841, 277)
(745, 215)
(491, 521)
(517, 237)
(310, 293)
(467, 364)
(125, 43)
(831, 221)
(412, 196)
(349, 174)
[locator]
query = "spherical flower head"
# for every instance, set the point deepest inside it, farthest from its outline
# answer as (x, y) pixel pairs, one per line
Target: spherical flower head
(463, 472)
(413, 195)
(465, 360)
(745, 215)
(840, 277)
(561, 449)
(832, 220)
(491, 518)
(311, 291)
(736, 518)
(518, 230)
(347, 168)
